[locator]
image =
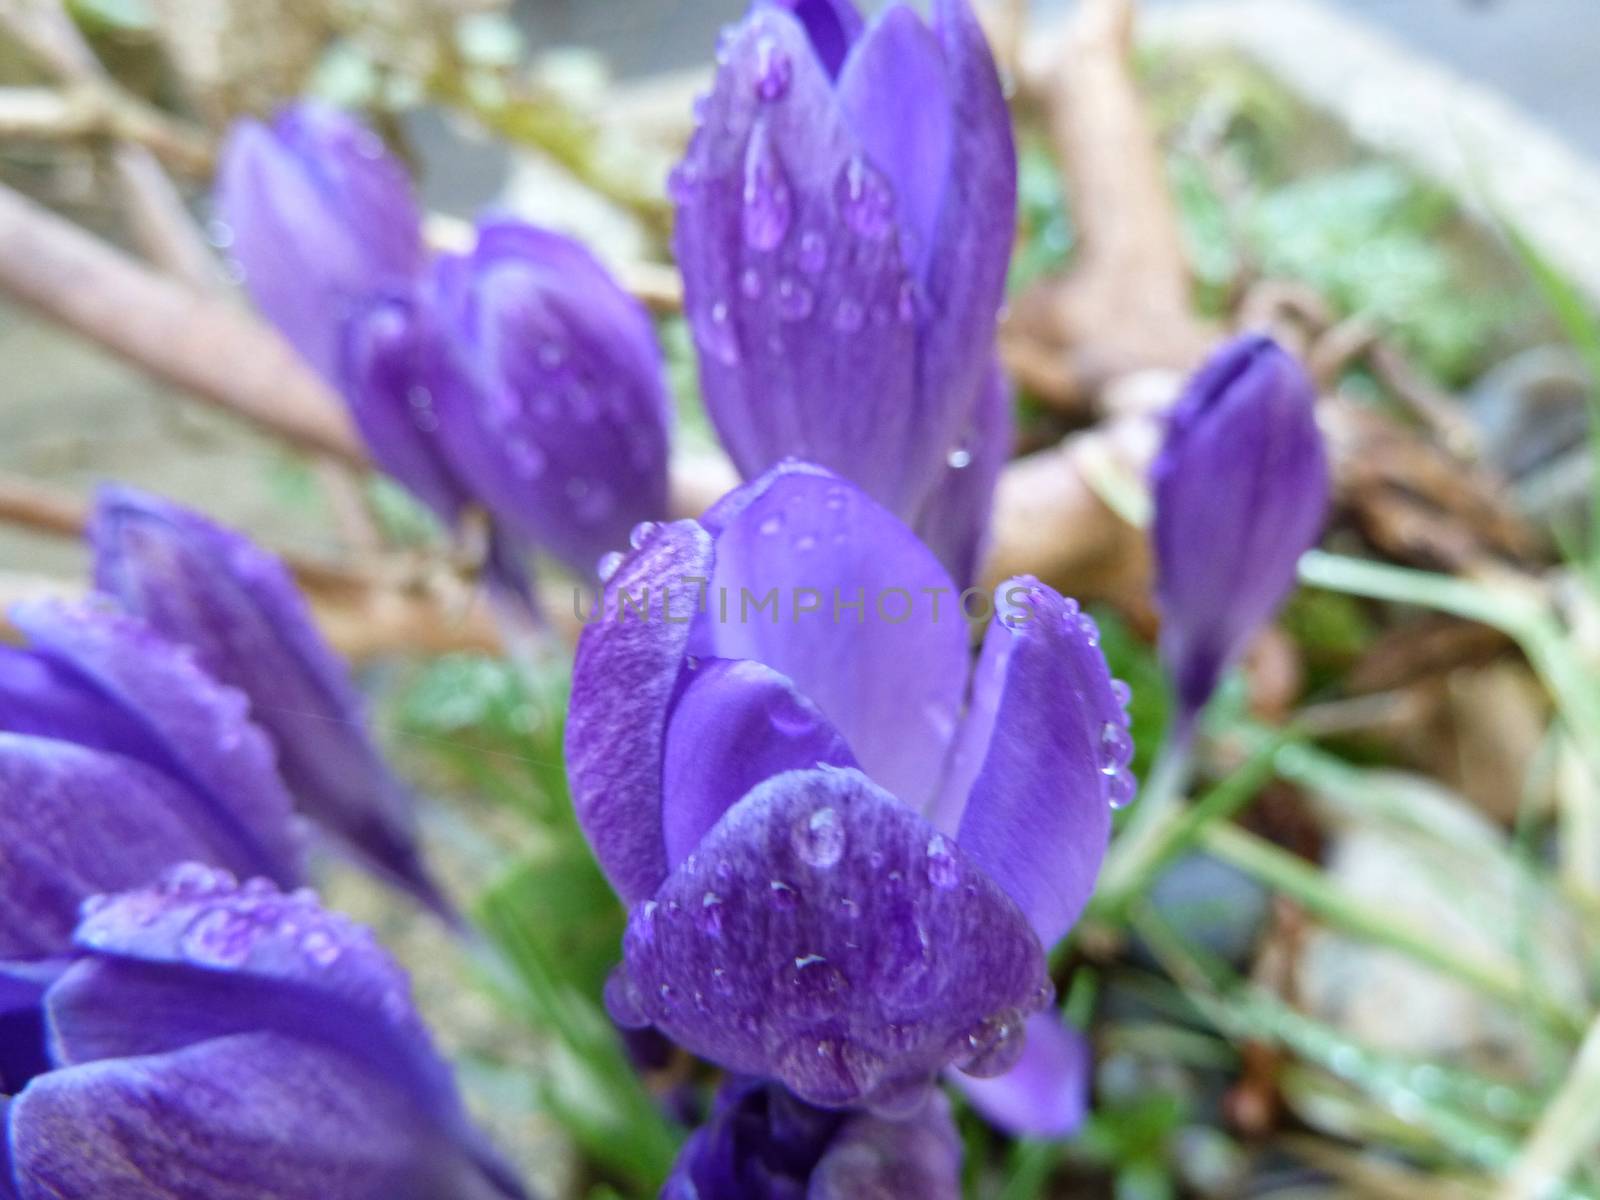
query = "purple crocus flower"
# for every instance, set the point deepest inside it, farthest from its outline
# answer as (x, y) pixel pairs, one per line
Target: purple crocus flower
(100, 680)
(845, 217)
(845, 849)
(763, 1144)
(550, 402)
(317, 215)
(75, 822)
(215, 1038)
(1241, 492)
(214, 590)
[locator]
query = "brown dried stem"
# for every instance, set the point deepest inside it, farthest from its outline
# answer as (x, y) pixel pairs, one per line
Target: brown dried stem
(195, 341)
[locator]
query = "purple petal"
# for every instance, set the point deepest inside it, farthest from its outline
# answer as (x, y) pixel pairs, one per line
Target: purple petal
(1241, 492)
(1053, 742)
(189, 726)
(1046, 1095)
(239, 1118)
(75, 823)
(850, 966)
(557, 413)
(762, 1142)
(794, 282)
(735, 724)
(355, 172)
(955, 520)
(216, 591)
(896, 98)
(623, 681)
(317, 216)
(914, 1159)
(831, 25)
(890, 674)
(964, 281)
(387, 381)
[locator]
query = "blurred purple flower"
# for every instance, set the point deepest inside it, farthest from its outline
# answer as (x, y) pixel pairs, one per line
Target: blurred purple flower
(845, 217)
(100, 680)
(550, 402)
(211, 589)
(212, 1032)
(316, 215)
(518, 377)
(763, 1144)
(1241, 492)
(837, 879)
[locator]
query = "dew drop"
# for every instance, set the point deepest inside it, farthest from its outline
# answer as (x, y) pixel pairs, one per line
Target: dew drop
(608, 564)
(714, 332)
(811, 988)
(813, 256)
(774, 71)
(959, 459)
(683, 182)
(848, 317)
(1122, 692)
(781, 894)
(218, 938)
(771, 525)
(835, 499)
(320, 948)
(943, 870)
(805, 542)
(1122, 789)
(795, 299)
(750, 283)
(992, 1047)
(527, 459)
(1116, 747)
(768, 199)
(819, 838)
(865, 199)
(1088, 628)
(642, 533)
(711, 915)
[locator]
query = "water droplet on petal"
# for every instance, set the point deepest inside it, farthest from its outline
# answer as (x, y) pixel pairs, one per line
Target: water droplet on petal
(768, 200)
(218, 938)
(865, 199)
(771, 525)
(714, 332)
(848, 317)
(795, 299)
(813, 256)
(1116, 747)
(819, 838)
(1088, 628)
(642, 533)
(711, 915)
(959, 459)
(320, 947)
(1123, 787)
(781, 894)
(943, 870)
(1122, 692)
(750, 283)
(774, 70)
(608, 564)
(811, 988)
(992, 1047)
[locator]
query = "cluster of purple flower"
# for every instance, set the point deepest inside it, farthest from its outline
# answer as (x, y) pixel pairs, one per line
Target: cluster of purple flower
(847, 848)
